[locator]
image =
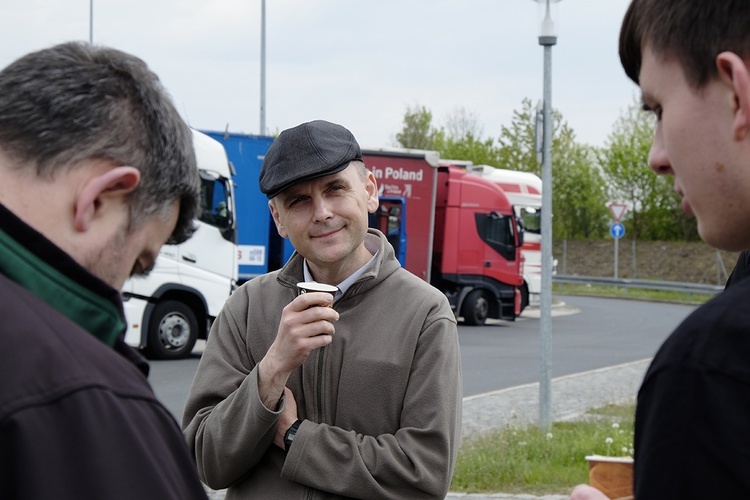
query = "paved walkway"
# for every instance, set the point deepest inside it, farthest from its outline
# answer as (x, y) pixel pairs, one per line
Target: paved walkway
(572, 396)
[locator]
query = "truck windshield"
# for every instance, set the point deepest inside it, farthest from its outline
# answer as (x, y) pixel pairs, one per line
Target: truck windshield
(216, 203)
(497, 231)
(532, 219)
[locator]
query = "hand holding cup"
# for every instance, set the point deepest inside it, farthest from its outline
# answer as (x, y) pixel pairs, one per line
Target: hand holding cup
(306, 325)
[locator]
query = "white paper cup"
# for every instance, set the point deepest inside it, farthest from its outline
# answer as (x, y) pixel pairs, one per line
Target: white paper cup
(314, 286)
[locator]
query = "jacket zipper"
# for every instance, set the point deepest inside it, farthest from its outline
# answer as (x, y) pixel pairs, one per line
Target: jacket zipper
(319, 388)
(319, 403)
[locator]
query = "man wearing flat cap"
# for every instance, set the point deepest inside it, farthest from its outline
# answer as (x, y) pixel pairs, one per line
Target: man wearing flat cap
(314, 395)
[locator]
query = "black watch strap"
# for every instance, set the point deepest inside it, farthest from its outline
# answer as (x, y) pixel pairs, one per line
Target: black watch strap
(290, 433)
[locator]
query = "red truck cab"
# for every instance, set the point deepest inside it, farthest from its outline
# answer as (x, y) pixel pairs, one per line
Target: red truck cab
(477, 258)
(453, 229)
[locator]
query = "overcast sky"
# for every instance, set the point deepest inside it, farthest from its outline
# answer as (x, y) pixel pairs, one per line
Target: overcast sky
(360, 63)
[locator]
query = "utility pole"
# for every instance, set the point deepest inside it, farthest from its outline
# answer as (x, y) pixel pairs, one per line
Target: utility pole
(547, 38)
(262, 68)
(91, 22)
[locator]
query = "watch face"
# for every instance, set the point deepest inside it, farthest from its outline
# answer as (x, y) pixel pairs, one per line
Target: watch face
(289, 435)
(291, 432)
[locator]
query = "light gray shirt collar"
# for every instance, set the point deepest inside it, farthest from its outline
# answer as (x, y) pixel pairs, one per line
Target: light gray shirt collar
(371, 246)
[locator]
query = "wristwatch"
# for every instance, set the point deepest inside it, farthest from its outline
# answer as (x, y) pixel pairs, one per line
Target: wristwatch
(290, 433)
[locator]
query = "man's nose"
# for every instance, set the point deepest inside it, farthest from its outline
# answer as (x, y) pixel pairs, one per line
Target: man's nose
(322, 210)
(657, 156)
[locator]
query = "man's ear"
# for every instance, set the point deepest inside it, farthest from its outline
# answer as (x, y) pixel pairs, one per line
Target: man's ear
(371, 185)
(115, 182)
(733, 70)
(277, 220)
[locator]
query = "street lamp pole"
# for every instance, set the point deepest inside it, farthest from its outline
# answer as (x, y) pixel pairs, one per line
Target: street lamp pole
(91, 22)
(547, 38)
(263, 68)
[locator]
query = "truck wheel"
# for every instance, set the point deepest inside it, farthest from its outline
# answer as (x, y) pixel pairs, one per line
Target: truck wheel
(172, 331)
(475, 308)
(524, 296)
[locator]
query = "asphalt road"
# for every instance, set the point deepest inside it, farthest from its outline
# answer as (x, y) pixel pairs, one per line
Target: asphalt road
(587, 333)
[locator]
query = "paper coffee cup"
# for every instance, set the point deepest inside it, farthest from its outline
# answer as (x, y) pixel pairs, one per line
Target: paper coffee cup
(613, 476)
(314, 286)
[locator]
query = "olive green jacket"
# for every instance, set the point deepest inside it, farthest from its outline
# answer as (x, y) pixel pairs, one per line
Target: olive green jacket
(381, 405)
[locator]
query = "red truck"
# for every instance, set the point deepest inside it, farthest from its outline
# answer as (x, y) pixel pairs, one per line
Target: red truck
(453, 229)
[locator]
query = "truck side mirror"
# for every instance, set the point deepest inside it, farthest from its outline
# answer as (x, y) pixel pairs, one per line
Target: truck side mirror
(520, 229)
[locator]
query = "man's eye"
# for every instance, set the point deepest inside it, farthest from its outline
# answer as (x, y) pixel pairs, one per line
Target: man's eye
(140, 270)
(656, 110)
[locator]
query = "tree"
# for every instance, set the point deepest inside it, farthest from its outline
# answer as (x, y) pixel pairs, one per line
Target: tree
(578, 187)
(463, 123)
(417, 131)
(655, 213)
(469, 148)
(517, 143)
(579, 193)
(460, 139)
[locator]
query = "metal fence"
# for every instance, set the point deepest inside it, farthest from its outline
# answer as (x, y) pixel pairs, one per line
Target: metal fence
(674, 286)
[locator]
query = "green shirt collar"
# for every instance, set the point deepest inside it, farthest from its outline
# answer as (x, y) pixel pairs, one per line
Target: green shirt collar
(66, 286)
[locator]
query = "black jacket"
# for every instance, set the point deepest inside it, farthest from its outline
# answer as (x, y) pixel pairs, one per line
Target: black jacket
(691, 438)
(78, 419)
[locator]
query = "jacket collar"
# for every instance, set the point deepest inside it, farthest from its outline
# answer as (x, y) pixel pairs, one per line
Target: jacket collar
(384, 264)
(34, 262)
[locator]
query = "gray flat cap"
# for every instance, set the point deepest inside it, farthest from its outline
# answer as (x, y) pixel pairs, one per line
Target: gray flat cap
(307, 151)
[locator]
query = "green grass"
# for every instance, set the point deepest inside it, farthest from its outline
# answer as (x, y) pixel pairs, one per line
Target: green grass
(631, 293)
(528, 460)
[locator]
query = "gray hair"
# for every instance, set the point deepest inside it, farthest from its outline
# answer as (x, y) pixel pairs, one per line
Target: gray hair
(74, 102)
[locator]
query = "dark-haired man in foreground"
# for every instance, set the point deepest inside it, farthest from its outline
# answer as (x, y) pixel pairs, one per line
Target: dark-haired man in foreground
(691, 59)
(97, 171)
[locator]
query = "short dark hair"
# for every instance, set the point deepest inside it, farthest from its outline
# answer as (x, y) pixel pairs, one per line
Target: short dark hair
(75, 102)
(692, 31)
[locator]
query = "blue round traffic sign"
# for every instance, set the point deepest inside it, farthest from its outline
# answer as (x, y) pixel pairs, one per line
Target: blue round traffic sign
(617, 230)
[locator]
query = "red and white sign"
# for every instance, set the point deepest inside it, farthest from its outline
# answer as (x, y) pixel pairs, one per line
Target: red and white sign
(617, 210)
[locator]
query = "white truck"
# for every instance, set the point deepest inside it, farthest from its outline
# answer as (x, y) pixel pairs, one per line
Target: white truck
(171, 308)
(524, 190)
